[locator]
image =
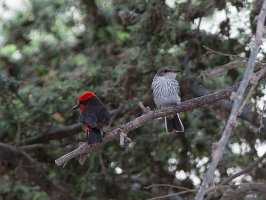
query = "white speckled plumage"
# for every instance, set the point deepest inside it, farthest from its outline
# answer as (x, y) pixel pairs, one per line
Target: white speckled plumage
(166, 93)
(165, 90)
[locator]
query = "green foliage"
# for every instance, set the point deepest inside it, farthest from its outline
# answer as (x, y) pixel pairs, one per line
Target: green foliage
(8, 50)
(52, 51)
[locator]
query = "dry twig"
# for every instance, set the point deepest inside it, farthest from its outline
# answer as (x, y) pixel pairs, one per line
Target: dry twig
(237, 174)
(166, 185)
(242, 191)
(147, 117)
(143, 108)
(232, 65)
(245, 170)
(220, 147)
(38, 146)
(258, 187)
(218, 52)
(172, 194)
(254, 81)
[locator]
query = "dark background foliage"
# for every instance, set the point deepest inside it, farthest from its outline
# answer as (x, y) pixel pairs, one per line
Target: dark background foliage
(53, 50)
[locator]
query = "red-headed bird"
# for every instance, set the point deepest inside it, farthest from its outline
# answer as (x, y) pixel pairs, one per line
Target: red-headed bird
(94, 116)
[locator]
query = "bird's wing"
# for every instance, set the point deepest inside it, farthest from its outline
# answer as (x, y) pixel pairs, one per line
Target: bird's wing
(98, 110)
(88, 118)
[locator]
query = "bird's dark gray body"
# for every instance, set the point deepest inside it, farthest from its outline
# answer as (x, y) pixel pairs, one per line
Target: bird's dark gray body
(95, 116)
(166, 93)
(95, 113)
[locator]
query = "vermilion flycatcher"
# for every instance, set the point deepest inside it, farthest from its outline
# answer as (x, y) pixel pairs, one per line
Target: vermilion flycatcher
(166, 93)
(94, 116)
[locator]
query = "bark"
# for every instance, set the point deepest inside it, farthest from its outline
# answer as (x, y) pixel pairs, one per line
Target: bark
(252, 188)
(246, 114)
(149, 116)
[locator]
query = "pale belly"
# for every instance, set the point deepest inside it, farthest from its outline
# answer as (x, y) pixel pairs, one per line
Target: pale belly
(166, 94)
(166, 101)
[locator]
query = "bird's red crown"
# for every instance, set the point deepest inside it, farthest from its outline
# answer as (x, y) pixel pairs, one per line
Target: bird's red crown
(84, 97)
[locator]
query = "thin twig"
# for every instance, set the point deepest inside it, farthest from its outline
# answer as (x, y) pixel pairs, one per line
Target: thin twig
(237, 174)
(166, 185)
(143, 108)
(102, 164)
(245, 170)
(248, 97)
(252, 117)
(56, 133)
(193, 190)
(39, 146)
(254, 81)
(220, 147)
(83, 185)
(242, 191)
(173, 194)
(218, 52)
(231, 65)
(262, 126)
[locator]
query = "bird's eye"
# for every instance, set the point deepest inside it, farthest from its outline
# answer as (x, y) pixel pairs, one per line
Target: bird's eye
(166, 70)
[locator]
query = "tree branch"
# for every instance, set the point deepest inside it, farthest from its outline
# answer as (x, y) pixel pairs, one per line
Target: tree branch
(70, 130)
(245, 170)
(39, 146)
(57, 133)
(219, 148)
(218, 52)
(237, 174)
(232, 65)
(246, 114)
(34, 170)
(147, 117)
(242, 191)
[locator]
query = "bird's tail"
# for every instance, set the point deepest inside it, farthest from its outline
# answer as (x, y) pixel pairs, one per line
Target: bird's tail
(173, 123)
(94, 136)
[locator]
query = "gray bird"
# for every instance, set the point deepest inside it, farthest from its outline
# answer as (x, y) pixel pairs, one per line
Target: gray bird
(166, 93)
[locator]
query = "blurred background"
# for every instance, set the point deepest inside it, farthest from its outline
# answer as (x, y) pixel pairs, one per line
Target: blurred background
(51, 51)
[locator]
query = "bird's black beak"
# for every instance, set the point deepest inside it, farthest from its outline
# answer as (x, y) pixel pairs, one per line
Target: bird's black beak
(177, 70)
(75, 107)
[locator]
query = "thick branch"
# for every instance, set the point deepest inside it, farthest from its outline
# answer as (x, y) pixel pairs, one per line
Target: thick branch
(246, 114)
(34, 170)
(56, 133)
(219, 148)
(70, 130)
(147, 117)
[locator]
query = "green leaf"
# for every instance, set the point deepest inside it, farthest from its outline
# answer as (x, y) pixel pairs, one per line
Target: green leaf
(121, 35)
(9, 49)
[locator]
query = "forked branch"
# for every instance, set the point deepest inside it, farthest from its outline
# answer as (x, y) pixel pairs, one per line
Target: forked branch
(219, 147)
(148, 117)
